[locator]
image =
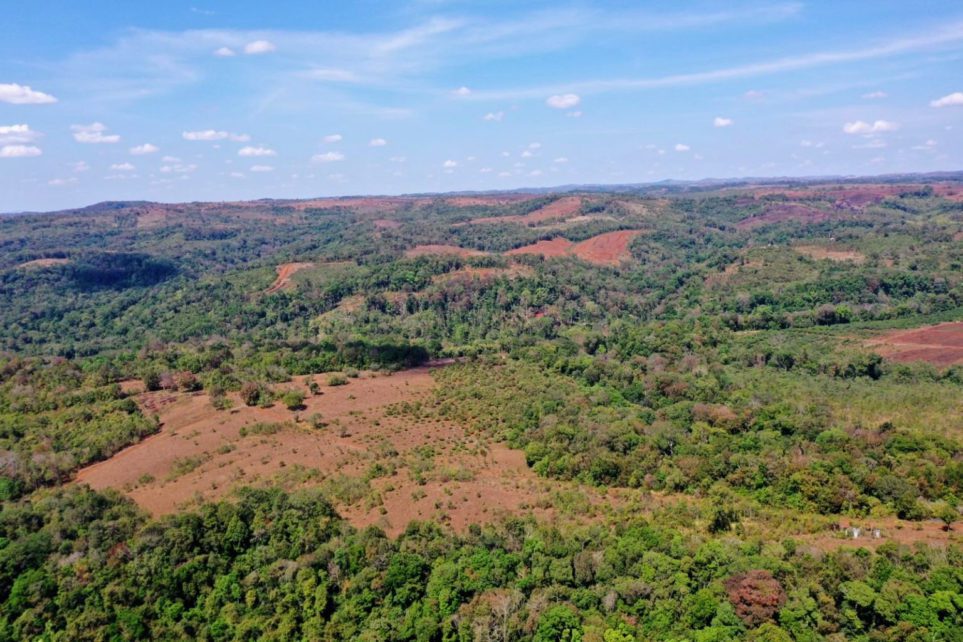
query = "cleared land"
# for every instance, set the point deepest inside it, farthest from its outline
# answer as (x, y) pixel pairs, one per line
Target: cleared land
(379, 459)
(285, 272)
(562, 208)
(42, 263)
(940, 345)
(819, 252)
(610, 248)
(785, 212)
(425, 250)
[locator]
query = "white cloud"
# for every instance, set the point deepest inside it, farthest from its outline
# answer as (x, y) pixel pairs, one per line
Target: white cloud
(122, 167)
(19, 151)
(377, 142)
(333, 138)
(574, 114)
(527, 154)
(177, 168)
(80, 166)
(535, 172)
(534, 145)
(485, 170)
(170, 159)
(262, 168)
(397, 159)
(23, 95)
(60, 182)
(875, 95)
(560, 159)
(950, 100)
(225, 52)
(494, 116)
(719, 121)
(212, 135)
(462, 91)
(680, 147)
(256, 151)
(754, 94)
(449, 164)
(16, 134)
(327, 157)
(868, 129)
(146, 148)
(563, 101)
(810, 143)
(236, 175)
(93, 133)
(259, 47)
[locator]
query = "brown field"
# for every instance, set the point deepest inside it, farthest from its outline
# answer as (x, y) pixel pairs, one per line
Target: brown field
(429, 468)
(424, 250)
(940, 345)
(819, 252)
(562, 208)
(483, 200)
(483, 274)
(785, 212)
(42, 263)
(285, 272)
(890, 529)
(386, 224)
(610, 248)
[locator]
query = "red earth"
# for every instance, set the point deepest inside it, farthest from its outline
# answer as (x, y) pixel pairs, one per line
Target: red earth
(285, 272)
(610, 248)
(940, 345)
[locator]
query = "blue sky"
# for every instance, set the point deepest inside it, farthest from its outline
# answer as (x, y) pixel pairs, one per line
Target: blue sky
(180, 101)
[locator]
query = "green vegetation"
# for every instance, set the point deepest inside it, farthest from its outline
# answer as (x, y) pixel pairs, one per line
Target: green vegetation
(722, 370)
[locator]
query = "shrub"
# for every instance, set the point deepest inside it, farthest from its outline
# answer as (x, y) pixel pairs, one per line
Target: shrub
(293, 399)
(337, 379)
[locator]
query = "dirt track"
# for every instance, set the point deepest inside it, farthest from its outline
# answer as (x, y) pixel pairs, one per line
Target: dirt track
(285, 272)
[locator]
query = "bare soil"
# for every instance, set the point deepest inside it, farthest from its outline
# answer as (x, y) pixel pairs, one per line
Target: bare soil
(610, 248)
(940, 345)
(423, 250)
(42, 263)
(285, 272)
(781, 212)
(418, 468)
(562, 208)
(819, 252)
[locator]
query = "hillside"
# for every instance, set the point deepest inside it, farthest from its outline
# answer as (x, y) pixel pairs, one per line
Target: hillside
(718, 412)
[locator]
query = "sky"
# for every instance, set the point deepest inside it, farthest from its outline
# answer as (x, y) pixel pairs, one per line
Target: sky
(197, 101)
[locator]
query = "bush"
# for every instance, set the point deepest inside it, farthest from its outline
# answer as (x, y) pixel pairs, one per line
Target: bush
(293, 399)
(253, 393)
(337, 379)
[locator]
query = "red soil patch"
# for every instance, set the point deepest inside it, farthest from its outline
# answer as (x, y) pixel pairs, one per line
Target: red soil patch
(424, 250)
(483, 274)
(558, 246)
(285, 272)
(475, 201)
(559, 209)
(42, 263)
(430, 468)
(386, 224)
(785, 212)
(819, 252)
(610, 248)
(940, 345)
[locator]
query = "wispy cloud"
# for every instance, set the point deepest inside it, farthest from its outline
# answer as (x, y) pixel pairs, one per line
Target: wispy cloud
(23, 95)
(93, 134)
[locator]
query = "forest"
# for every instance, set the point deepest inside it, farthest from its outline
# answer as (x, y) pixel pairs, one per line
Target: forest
(731, 413)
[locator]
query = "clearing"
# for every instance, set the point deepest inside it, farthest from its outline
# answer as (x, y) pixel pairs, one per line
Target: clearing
(785, 212)
(378, 458)
(819, 252)
(425, 250)
(940, 345)
(42, 263)
(285, 272)
(610, 248)
(562, 208)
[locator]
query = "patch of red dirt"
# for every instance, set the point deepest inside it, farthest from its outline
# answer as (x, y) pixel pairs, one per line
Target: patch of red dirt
(558, 246)
(424, 250)
(785, 212)
(476, 201)
(940, 345)
(872, 533)
(562, 208)
(285, 272)
(428, 468)
(610, 248)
